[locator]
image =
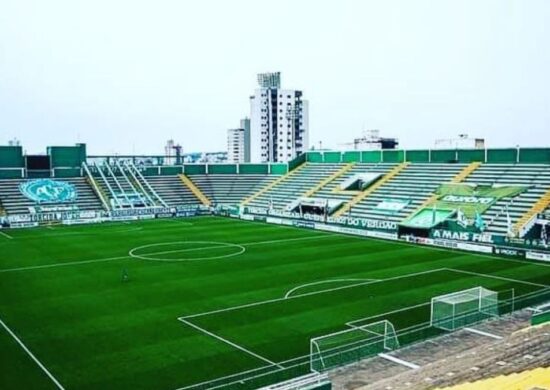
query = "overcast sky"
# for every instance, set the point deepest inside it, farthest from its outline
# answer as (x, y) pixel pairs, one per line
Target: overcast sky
(125, 76)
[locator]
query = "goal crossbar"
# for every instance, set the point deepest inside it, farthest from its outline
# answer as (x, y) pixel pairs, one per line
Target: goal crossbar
(461, 308)
(347, 346)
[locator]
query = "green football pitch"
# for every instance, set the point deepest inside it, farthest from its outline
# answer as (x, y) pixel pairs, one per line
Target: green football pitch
(169, 304)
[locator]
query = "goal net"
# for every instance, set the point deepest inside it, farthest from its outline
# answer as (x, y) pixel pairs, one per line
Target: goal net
(462, 308)
(351, 345)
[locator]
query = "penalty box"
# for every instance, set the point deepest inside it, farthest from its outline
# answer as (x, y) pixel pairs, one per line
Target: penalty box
(280, 329)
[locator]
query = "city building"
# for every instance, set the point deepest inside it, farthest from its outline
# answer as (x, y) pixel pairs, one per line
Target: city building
(371, 140)
(172, 152)
(245, 125)
(279, 121)
(463, 141)
(235, 145)
(238, 143)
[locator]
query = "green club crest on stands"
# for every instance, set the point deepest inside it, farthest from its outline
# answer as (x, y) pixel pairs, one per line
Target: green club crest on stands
(47, 190)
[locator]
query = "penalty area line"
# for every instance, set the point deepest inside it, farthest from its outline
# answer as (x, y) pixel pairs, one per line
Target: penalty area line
(48, 373)
(243, 349)
(326, 281)
(268, 301)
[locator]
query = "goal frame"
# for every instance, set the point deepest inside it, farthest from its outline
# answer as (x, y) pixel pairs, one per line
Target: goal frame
(480, 294)
(388, 335)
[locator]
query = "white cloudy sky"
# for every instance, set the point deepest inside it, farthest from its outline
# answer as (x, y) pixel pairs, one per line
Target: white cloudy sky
(124, 76)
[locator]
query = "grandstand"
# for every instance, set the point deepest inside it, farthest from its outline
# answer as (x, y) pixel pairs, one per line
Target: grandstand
(156, 288)
(230, 189)
(170, 188)
(294, 185)
(413, 185)
(536, 177)
(15, 203)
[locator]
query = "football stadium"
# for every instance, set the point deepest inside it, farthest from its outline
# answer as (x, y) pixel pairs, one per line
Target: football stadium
(362, 269)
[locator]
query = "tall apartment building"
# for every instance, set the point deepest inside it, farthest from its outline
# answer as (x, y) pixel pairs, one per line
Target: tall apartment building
(238, 143)
(279, 121)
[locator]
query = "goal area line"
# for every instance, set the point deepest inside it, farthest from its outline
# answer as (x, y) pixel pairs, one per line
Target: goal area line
(279, 366)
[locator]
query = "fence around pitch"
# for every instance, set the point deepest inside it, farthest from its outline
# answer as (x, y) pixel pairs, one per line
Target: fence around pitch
(341, 356)
(263, 376)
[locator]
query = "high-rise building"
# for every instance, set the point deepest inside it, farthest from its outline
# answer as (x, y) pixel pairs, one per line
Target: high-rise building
(238, 143)
(278, 121)
(235, 145)
(245, 125)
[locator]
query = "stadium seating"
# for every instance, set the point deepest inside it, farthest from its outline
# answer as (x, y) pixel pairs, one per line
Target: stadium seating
(536, 177)
(172, 190)
(330, 190)
(411, 183)
(415, 184)
(230, 189)
(125, 183)
(14, 202)
(294, 185)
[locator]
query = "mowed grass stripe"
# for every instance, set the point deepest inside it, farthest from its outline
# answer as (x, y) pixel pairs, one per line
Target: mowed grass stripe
(267, 327)
(62, 249)
(99, 332)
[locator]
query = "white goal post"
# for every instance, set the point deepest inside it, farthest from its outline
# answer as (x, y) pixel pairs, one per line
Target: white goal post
(462, 308)
(351, 345)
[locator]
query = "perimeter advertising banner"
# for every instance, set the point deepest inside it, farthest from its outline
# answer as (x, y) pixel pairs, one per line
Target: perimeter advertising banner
(361, 223)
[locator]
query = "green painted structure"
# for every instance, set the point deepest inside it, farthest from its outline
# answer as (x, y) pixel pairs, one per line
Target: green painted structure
(66, 161)
(541, 318)
(492, 156)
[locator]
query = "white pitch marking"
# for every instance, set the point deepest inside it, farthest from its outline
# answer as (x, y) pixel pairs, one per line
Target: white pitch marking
(48, 373)
(124, 257)
(304, 357)
(284, 240)
(215, 246)
(229, 342)
(308, 294)
(61, 264)
(6, 235)
(482, 333)
(497, 277)
(399, 361)
(289, 293)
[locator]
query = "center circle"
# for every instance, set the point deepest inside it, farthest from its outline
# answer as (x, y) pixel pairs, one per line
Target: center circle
(187, 251)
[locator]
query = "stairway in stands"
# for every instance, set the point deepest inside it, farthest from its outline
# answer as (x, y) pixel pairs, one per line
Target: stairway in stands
(415, 183)
(123, 185)
(230, 189)
(172, 190)
(293, 185)
(332, 189)
(14, 202)
(458, 178)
